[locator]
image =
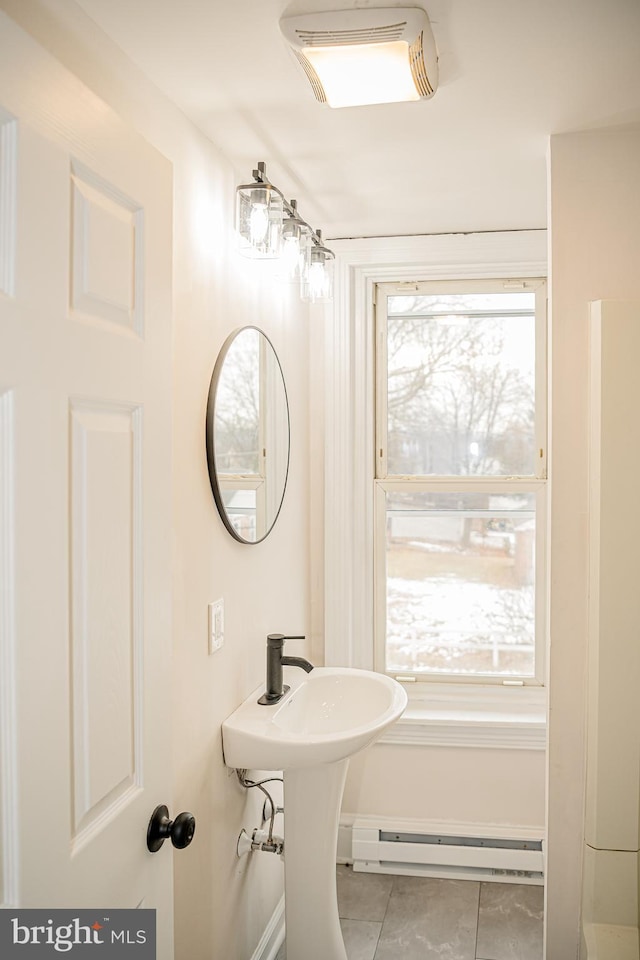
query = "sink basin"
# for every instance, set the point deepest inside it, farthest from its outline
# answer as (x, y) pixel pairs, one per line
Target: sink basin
(327, 715)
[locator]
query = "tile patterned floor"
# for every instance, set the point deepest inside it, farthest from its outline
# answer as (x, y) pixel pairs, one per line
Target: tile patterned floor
(417, 918)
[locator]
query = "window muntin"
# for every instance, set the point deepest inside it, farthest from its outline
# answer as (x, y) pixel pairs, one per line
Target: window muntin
(460, 493)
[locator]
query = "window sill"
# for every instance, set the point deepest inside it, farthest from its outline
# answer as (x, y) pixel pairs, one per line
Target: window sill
(512, 718)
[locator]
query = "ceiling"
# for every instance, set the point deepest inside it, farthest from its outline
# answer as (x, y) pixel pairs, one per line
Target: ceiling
(471, 158)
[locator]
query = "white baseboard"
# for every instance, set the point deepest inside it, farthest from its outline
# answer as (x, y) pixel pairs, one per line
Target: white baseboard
(273, 936)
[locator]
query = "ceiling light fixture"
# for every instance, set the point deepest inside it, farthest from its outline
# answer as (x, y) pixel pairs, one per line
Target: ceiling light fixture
(365, 56)
(270, 227)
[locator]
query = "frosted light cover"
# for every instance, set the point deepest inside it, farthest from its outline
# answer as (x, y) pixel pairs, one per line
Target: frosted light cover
(359, 75)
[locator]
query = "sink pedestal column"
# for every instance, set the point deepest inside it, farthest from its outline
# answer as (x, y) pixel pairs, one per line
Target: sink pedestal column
(312, 798)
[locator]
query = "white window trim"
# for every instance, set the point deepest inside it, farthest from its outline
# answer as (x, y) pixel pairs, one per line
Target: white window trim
(349, 416)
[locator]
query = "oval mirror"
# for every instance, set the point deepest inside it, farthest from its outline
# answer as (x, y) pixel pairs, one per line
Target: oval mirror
(248, 435)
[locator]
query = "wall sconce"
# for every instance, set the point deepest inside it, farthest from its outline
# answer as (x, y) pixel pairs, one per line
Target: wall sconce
(296, 245)
(270, 227)
(317, 281)
(259, 217)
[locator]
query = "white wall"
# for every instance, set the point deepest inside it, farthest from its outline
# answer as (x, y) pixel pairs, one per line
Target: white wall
(222, 905)
(461, 785)
(594, 254)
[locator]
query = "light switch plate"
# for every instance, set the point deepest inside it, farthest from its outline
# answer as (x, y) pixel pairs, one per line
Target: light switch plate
(216, 625)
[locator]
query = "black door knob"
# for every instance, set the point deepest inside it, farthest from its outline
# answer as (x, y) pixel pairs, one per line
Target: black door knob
(180, 831)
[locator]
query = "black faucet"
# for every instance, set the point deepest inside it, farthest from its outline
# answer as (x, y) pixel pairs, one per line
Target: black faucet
(275, 662)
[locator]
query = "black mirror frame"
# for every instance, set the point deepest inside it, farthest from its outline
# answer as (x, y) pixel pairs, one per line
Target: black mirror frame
(209, 437)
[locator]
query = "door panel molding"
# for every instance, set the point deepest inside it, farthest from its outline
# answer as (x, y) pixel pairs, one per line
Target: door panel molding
(107, 244)
(106, 608)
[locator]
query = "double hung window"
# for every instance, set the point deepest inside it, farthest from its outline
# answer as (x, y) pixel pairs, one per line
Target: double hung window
(460, 481)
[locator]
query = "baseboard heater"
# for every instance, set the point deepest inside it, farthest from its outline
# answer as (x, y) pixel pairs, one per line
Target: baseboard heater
(459, 857)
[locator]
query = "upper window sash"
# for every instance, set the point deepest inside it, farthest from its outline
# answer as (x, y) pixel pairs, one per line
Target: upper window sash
(383, 291)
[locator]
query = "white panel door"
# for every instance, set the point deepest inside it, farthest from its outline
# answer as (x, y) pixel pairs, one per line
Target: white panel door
(85, 510)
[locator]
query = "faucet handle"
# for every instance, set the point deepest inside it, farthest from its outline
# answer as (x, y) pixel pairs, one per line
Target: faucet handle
(277, 639)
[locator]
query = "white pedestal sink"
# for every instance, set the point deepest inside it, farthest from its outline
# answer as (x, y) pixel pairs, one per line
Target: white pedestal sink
(326, 717)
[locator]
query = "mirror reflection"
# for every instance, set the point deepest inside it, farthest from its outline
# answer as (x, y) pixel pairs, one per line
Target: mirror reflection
(248, 435)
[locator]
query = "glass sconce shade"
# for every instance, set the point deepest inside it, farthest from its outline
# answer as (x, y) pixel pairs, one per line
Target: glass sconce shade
(259, 216)
(295, 250)
(317, 282)
(291, 249)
